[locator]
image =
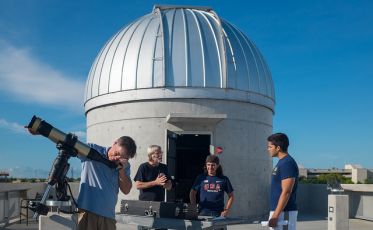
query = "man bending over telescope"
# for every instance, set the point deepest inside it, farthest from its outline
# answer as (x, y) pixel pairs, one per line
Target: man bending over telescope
(105, 170)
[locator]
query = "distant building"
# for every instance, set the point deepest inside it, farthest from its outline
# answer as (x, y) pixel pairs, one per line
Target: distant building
(358, 173)
(3, 175)
(354, 171)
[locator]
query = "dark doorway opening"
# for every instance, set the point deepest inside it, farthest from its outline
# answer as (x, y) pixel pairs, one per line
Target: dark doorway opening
(186, 154)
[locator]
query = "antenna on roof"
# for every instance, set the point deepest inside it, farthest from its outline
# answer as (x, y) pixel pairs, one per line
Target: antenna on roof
(334, 186)
(168, 7)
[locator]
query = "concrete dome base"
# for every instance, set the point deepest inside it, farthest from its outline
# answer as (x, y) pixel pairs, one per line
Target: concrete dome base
(239, 128)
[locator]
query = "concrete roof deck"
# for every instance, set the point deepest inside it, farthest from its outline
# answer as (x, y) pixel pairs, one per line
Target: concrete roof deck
(305, 222)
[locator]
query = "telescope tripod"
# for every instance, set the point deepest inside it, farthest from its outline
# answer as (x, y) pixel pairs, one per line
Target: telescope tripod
(57, 178)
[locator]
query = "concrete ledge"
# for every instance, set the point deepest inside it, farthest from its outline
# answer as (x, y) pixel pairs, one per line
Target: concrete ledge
(364, 218)
(58, 221)
(195, 118)
(358, 187)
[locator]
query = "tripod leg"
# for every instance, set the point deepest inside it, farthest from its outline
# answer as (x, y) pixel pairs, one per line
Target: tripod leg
(42, 202)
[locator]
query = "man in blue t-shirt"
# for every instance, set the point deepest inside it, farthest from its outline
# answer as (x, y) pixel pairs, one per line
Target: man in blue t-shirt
(283, 185)
(212, 185)
(99, 185)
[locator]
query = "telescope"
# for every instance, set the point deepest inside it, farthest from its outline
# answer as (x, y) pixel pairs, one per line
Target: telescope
(68, 146)
(39, 126)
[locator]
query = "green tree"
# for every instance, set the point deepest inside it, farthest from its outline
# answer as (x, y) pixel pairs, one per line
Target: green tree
(326, 178)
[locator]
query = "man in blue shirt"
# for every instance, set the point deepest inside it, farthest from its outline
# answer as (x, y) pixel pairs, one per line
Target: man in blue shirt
(99, 185)
(283, 185)
(212, 185)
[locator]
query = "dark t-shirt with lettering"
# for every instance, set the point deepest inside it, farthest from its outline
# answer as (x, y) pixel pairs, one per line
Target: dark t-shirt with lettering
(212, 190)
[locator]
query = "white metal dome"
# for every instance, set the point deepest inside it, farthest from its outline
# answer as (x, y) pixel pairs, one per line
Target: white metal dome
(179, 52)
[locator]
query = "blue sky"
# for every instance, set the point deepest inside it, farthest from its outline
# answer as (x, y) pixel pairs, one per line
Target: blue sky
(320, 54)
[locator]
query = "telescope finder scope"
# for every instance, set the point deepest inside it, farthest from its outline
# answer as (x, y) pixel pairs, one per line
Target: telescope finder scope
(39, 126)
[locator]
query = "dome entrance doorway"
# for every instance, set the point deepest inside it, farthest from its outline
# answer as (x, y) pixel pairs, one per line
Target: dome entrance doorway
(186, 154)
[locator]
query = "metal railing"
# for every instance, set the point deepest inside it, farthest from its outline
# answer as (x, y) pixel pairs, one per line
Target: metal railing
(10, 205)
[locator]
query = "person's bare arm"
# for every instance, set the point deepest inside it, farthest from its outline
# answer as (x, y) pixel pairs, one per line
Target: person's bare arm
(228, 206)
(125, 183)
(192, 196)
(159, 181)
(287, 187)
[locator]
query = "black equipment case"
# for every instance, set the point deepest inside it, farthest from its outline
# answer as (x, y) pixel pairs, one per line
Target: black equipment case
(159, 209)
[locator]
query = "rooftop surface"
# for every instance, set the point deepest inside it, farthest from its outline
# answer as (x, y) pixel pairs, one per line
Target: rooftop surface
(308, 222)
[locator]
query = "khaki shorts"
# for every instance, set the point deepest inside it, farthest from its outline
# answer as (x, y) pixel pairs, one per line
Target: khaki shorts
(90, 221)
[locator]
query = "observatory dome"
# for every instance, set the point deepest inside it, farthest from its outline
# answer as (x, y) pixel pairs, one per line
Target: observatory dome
(179, 52)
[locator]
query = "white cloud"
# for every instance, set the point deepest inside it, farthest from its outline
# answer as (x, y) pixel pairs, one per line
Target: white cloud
(12, 126)
(29, 80)
(18, 128)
